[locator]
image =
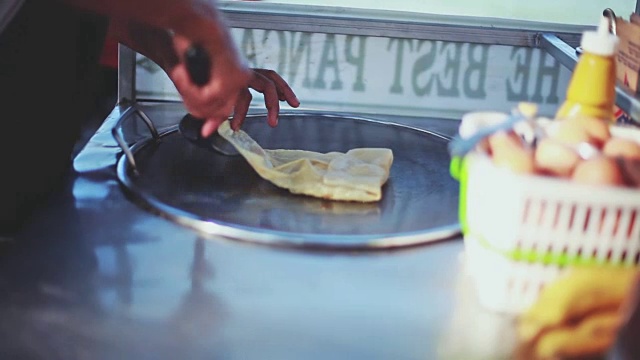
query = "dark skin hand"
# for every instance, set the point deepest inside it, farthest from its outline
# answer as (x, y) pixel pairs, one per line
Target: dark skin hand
(163, 30)
(274, 89)
(268, 82)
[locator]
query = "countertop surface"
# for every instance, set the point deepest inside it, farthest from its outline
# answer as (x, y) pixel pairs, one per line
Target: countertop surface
(97, 277)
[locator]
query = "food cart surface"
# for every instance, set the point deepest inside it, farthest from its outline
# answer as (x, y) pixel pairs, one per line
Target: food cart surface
(103, 278)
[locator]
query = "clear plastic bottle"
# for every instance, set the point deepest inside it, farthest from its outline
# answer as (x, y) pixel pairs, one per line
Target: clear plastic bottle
(591, 91)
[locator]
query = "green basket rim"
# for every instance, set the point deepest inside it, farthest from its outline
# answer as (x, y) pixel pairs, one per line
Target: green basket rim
(545, 258)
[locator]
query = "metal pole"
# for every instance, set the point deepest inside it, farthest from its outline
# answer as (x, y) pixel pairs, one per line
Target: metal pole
(126, 75)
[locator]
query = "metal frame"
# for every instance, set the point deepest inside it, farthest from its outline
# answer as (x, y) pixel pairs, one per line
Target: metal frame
(393, 24)
(560, 50)
(115, 132)
(126, 75)
(558, 40)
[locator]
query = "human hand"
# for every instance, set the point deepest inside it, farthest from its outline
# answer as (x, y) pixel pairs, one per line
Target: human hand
(213, 104)
(215, 100)
(273, 87)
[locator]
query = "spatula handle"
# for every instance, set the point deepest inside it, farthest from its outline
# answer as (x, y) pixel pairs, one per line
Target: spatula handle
(198, 64)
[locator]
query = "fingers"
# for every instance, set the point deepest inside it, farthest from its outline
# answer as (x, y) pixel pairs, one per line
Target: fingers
(210, 126)
(274, 89)
(241, 109)
(268, 88)
(202, 101)
(216, 115)
(181, 44)
(285, 93)
(216, 99)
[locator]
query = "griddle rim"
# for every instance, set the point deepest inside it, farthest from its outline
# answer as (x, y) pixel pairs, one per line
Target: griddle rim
(242, 233)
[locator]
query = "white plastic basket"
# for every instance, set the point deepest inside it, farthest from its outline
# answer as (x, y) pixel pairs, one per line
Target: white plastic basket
(523, 231)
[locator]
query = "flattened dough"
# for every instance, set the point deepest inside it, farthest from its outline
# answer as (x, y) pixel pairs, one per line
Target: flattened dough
(357, 175)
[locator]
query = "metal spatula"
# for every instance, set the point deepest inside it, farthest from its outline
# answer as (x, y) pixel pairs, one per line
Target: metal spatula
(190, 127)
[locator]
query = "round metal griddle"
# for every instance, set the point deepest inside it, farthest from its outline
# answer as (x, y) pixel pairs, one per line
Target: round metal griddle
(223, 196)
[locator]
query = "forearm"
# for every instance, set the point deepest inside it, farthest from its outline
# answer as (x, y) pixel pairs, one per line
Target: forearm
(198, 20)
(154, 43)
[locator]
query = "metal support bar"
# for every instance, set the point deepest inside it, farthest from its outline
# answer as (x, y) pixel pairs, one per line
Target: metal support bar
(117, 128)
(126, 75)
(442, 28)
(567, 56)
(560, 50)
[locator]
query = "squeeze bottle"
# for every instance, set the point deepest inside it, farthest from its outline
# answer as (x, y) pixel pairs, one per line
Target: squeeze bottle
(591, 91)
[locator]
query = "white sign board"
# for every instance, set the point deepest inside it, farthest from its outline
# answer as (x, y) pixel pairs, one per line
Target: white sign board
(391, 76)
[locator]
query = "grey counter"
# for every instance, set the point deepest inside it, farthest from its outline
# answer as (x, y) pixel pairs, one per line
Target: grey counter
(97, 277)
